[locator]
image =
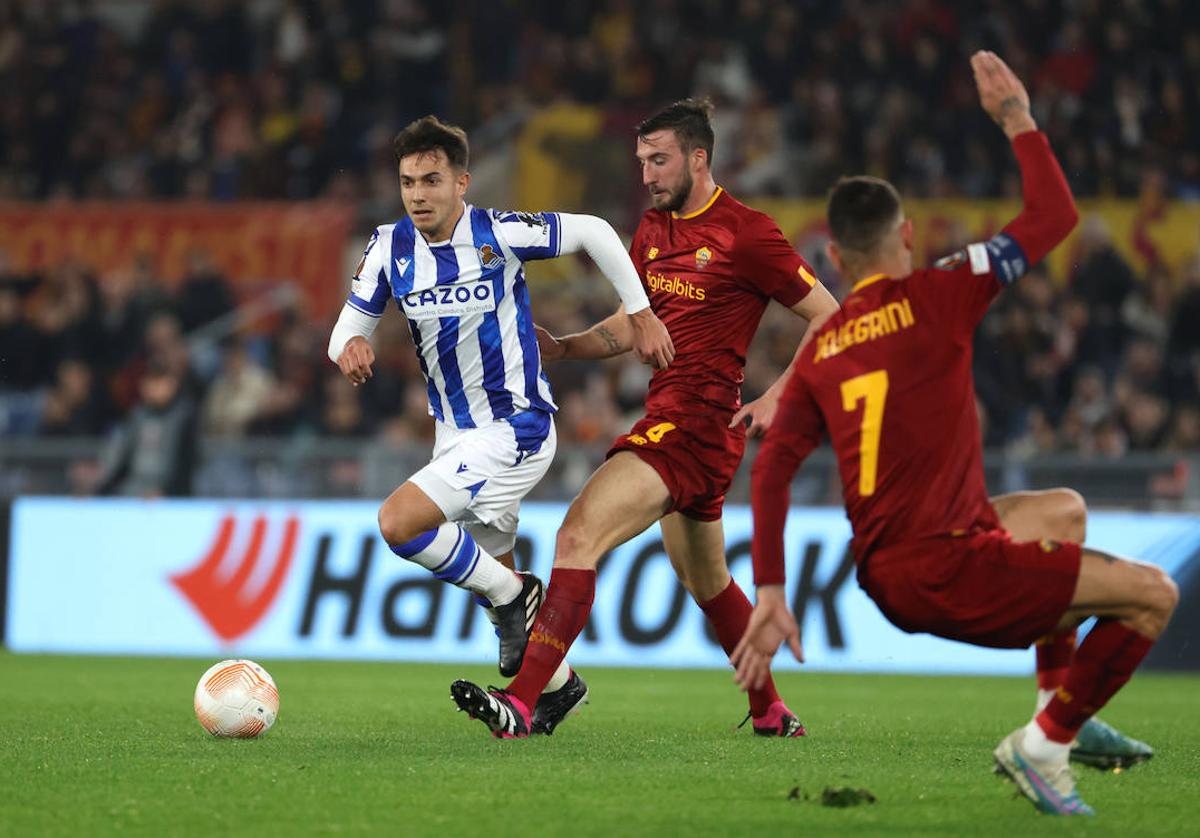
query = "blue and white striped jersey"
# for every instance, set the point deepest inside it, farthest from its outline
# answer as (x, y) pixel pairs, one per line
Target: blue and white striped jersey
(467, 305)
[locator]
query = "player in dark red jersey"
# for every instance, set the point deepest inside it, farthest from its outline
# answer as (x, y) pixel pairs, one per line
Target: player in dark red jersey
(889, 379)
(710, 265)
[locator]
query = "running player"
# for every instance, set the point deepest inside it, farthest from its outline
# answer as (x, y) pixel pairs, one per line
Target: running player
(711, 266)
(455, 272)
(889, 379)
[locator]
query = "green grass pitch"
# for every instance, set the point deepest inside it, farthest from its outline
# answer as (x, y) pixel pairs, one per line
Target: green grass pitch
(95, 746)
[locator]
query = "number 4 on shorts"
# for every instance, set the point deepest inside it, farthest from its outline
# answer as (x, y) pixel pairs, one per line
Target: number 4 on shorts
(654, 434)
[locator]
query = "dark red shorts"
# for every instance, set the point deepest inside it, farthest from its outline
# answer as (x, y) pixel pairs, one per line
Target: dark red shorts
(695, 453)
(981, 588)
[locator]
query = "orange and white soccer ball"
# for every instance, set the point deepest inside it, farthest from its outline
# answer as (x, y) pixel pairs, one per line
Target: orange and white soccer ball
(236, 698)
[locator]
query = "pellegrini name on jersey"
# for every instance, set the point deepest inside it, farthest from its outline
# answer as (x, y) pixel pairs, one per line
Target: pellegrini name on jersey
(881, 322)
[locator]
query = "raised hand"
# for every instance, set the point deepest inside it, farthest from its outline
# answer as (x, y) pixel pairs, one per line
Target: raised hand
(1002, 94)
(356, 359)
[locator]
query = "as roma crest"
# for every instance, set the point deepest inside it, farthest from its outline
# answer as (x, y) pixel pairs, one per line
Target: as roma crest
(703, 255)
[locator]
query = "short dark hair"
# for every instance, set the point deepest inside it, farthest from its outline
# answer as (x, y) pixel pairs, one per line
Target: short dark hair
(431, 134)
(690, 119)
(861, 211)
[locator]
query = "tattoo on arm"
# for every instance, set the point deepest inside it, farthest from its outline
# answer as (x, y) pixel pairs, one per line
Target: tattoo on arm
(1011, 107)
(610, 340)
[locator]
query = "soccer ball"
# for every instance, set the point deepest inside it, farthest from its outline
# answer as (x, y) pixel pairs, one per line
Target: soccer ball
(236, 698)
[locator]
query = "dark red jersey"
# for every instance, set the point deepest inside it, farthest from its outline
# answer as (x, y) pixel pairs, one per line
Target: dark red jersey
(889, 379)
(709, 276)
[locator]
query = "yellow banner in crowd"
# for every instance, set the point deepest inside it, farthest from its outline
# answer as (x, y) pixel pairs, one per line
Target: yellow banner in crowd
(579, 159)
(250, 242)
(1167, 234)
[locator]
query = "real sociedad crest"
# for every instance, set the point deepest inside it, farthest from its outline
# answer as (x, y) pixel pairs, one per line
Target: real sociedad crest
(489, 258)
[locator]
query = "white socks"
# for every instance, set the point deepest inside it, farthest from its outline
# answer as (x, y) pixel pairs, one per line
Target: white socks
(1042, 749)
(453, 556)
(559, 678)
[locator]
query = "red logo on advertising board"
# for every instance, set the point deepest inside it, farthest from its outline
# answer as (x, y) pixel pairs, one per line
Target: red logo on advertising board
(225, 601)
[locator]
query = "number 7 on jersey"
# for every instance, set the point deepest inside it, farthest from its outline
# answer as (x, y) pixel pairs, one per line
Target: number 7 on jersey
(870, 388)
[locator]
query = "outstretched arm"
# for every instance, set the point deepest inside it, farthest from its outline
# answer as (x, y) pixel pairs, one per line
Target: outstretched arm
(611, 336)
(595, 236)
(792, 437)
(816, 308)
(1049, 213)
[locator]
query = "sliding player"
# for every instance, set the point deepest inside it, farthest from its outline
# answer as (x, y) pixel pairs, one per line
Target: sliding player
(889, 379)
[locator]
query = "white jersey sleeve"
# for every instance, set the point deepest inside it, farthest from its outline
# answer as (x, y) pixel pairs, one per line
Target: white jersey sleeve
(369, 289)
(530, 235)
(600, 241)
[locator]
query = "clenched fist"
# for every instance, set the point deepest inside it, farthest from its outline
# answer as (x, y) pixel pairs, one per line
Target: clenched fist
(356, 359)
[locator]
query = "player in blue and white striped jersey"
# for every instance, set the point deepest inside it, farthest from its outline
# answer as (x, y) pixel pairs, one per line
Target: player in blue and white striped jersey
(456, 273)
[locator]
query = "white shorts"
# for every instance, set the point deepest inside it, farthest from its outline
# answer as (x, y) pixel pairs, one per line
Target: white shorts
(479, 476)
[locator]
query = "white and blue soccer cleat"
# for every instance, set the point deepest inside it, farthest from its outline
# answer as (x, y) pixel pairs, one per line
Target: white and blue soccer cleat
(1102, 746)
(1051, 787)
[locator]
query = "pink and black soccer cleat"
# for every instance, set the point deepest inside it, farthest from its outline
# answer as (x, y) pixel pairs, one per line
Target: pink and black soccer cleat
(505, 715)
(777, 721)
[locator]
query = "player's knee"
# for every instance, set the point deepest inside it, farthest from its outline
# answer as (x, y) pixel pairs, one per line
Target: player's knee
(1062, 514)
(392, 526)
(1072, 515)
(1159, 596)
(571, 545)
(1165, 595)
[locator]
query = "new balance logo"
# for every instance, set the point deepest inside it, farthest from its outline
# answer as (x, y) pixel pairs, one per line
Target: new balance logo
(231, 602)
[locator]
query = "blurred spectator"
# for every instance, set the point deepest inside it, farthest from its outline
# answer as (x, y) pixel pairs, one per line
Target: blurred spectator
(1145, 421)
(297, 99)
(75, 406)
(1102, 280)
(342, 413)
(237, 395)
(18, 343)
(205, 294)
(233, 100)
(153, 453)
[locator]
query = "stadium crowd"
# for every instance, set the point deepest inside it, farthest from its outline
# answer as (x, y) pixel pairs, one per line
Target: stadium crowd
(298, 99)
